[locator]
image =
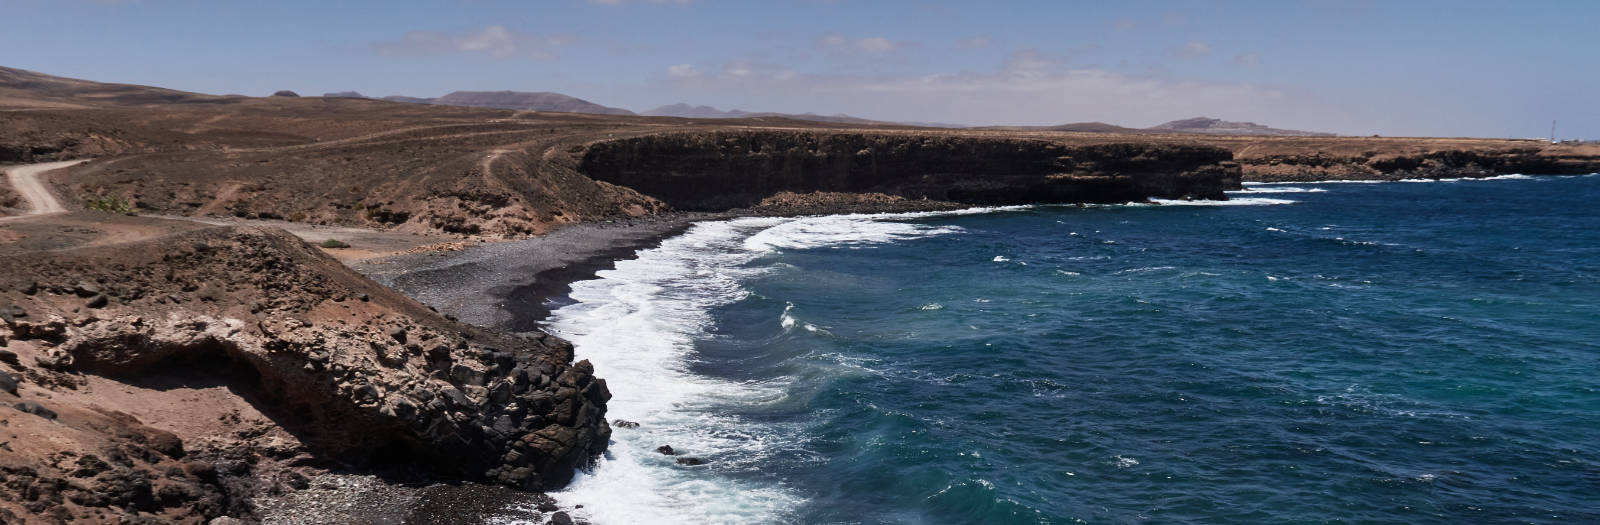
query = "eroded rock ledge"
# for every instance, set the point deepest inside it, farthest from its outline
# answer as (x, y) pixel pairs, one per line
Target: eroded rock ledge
(1372, 165)
(715, 171)
(356, 374)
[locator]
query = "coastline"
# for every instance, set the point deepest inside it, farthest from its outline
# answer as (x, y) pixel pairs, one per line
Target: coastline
(508, 285)
(504, 285)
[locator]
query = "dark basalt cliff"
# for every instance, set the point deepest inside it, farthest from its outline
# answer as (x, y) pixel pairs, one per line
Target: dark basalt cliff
(713, 171)
(1432, 164)
(358, 374)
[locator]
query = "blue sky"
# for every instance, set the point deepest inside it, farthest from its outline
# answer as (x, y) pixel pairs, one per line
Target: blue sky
(1493, 69)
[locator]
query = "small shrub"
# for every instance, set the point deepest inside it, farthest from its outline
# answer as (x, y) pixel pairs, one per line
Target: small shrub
(334, 243)
(111, 203)
(298, 216)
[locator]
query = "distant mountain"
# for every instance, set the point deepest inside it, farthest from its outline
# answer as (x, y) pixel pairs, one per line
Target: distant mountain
(688, 111)
(519, 100)
(1211, 126)
(408, 100)
(1093, 127)
(344, 94)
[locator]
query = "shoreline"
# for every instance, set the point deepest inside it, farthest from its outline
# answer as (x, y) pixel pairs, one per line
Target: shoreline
(508, 286)
(504, 285)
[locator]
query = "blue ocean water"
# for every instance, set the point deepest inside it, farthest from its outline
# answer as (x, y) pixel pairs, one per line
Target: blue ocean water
(1395, 352)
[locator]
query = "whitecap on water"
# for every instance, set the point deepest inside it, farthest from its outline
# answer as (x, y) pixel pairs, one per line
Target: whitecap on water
(1262, 190)
(639, 323)
(1242, 201)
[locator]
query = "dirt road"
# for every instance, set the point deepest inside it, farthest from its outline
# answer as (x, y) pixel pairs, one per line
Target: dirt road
(25, 179)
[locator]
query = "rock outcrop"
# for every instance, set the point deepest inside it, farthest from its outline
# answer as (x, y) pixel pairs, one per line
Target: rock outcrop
(357, 374)
(733, 169)
(1448, 163)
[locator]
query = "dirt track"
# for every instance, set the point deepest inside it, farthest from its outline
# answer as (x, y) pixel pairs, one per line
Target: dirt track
(25, 179)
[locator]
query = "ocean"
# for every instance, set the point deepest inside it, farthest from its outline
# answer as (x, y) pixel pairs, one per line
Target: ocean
(1410, 352)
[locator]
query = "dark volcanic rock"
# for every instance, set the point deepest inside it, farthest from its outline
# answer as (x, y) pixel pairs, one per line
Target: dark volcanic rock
(35, 409)
(666, 449)
(8, 383)
(285, 93)
(725, 170)
(691, 461)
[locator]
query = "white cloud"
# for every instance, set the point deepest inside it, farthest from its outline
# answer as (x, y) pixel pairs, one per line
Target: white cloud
(876, 43)
(1031, 88)
(837, 44)
(620, 2)
(682, 71)
(1195, 49)
(495, 40)
(973, 43)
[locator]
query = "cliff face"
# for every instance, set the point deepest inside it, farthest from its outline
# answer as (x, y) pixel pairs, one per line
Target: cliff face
(731, 169)
(1446, 163)
(342, 372)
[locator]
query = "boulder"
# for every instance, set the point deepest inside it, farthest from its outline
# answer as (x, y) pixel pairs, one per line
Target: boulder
(35, 409)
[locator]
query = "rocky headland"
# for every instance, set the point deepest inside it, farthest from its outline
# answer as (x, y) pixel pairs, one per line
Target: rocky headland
(179, 379)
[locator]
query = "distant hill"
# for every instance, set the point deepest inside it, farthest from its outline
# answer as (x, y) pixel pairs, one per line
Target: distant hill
(687, 111)
(23, 88)
(344, 94)
(1093, 127)
(1211, 126)
(519, 100)
(1197, 125)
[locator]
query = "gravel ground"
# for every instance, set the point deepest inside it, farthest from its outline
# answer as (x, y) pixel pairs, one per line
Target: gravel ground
(505, 285)
(364, 499)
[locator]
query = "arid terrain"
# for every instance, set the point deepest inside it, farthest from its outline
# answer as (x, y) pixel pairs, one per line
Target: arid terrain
(507, 174)
(174, 348)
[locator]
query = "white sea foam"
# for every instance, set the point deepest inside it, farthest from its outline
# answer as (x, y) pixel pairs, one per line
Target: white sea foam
(1242, 201)
(840, 230)
(638, 324)
(1262, 190)
(1512, 176)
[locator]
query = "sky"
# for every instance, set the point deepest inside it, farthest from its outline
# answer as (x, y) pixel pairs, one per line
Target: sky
(1420, 68)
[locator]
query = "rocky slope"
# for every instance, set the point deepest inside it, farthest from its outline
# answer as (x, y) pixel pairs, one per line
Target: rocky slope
(723, 170)
(176, 379)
